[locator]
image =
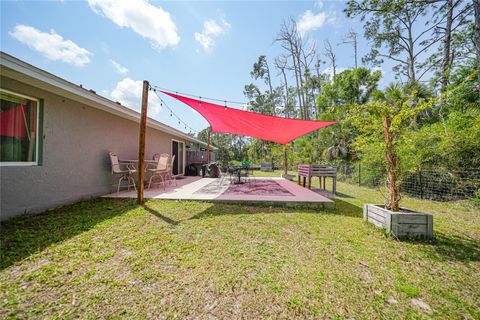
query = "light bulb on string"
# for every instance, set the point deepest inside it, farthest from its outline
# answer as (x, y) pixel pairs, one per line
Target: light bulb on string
(225, 105)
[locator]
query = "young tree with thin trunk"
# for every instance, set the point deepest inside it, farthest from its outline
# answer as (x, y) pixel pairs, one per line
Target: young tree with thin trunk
(385, 120)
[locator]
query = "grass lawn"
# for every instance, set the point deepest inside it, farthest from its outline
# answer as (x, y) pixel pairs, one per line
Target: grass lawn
(109, 258)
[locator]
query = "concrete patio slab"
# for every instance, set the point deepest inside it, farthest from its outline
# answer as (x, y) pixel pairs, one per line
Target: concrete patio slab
(209, 189)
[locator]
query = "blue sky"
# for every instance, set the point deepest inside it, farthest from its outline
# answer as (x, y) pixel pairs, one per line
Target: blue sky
(204, 48)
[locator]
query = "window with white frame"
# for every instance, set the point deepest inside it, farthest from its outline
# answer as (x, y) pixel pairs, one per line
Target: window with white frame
(19, 116)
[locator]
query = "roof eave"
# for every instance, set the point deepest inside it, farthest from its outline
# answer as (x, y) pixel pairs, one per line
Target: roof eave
(63, 87)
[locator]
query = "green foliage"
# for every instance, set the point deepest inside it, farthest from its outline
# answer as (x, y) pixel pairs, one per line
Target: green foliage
(454, 144)
(230, 147)
(348, 89)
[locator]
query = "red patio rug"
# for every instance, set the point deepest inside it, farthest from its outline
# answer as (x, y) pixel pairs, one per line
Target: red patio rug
(259, 188)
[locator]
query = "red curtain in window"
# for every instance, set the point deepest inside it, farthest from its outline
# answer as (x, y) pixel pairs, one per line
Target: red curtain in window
(12, 122)
(230, 120)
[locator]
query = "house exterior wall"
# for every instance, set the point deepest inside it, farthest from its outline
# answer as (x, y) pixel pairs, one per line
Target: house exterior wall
(74, 163)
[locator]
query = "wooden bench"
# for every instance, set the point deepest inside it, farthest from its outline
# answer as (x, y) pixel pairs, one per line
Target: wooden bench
(307, 171)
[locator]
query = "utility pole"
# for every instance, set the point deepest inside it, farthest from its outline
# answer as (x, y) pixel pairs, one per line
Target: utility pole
(141, 143)
(352, 38)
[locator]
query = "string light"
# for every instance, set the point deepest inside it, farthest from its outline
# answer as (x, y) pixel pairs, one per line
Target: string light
(172, 114)
(205, 98)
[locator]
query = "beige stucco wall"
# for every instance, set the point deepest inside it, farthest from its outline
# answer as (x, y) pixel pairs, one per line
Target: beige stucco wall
(75, 163)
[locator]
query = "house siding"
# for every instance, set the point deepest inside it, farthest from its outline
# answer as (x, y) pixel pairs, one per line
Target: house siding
(75, 163)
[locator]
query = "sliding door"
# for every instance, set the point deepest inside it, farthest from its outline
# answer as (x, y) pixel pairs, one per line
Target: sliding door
(178, 150)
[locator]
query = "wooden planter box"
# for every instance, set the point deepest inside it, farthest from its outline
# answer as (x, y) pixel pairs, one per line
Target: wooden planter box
(403, 224)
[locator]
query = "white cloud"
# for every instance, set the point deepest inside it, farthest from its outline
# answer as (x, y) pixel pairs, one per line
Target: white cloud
(211, 30)
(129, 93)
(310, 22)
(147, 20)
(329, 71)
(51, 45)
(319, 4)
(120, 69)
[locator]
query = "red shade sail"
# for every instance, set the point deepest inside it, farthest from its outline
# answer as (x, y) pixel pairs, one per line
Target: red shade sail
(231, 120)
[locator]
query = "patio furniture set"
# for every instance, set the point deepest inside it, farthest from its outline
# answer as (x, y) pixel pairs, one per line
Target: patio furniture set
(158, 171)
(240, 174)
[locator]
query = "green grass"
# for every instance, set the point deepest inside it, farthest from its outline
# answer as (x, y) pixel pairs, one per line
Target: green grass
(108, 258)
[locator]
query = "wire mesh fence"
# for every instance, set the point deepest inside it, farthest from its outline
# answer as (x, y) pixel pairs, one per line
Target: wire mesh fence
(433, 184)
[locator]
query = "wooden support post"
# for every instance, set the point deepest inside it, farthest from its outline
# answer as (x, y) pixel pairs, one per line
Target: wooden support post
(359, 174)
(208, 147)
(285, 162)
(141, 143)
(421, 183)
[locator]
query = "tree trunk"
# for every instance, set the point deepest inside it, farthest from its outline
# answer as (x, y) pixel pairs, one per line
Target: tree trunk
(392, 166)
(446, 47)
(302, 91)
(411, 54)
(476, 8)
(271, 89)
(355, 48)
(286, 93)
(297, 81)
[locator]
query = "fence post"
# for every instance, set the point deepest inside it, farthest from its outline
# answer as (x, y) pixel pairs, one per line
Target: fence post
(421, 183)
(359, 174)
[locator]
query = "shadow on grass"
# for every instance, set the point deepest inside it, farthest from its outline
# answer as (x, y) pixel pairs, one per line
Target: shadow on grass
(216, 209)
(26, 235)
(343, 195)
(451, 248)
(345, 208)
(161, 216)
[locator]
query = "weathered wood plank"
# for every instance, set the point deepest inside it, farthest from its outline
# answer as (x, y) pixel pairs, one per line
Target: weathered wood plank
(429, 226)
(376, 223)
(376, 216)
(401, 230)
(378, 210)
(411, 219)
